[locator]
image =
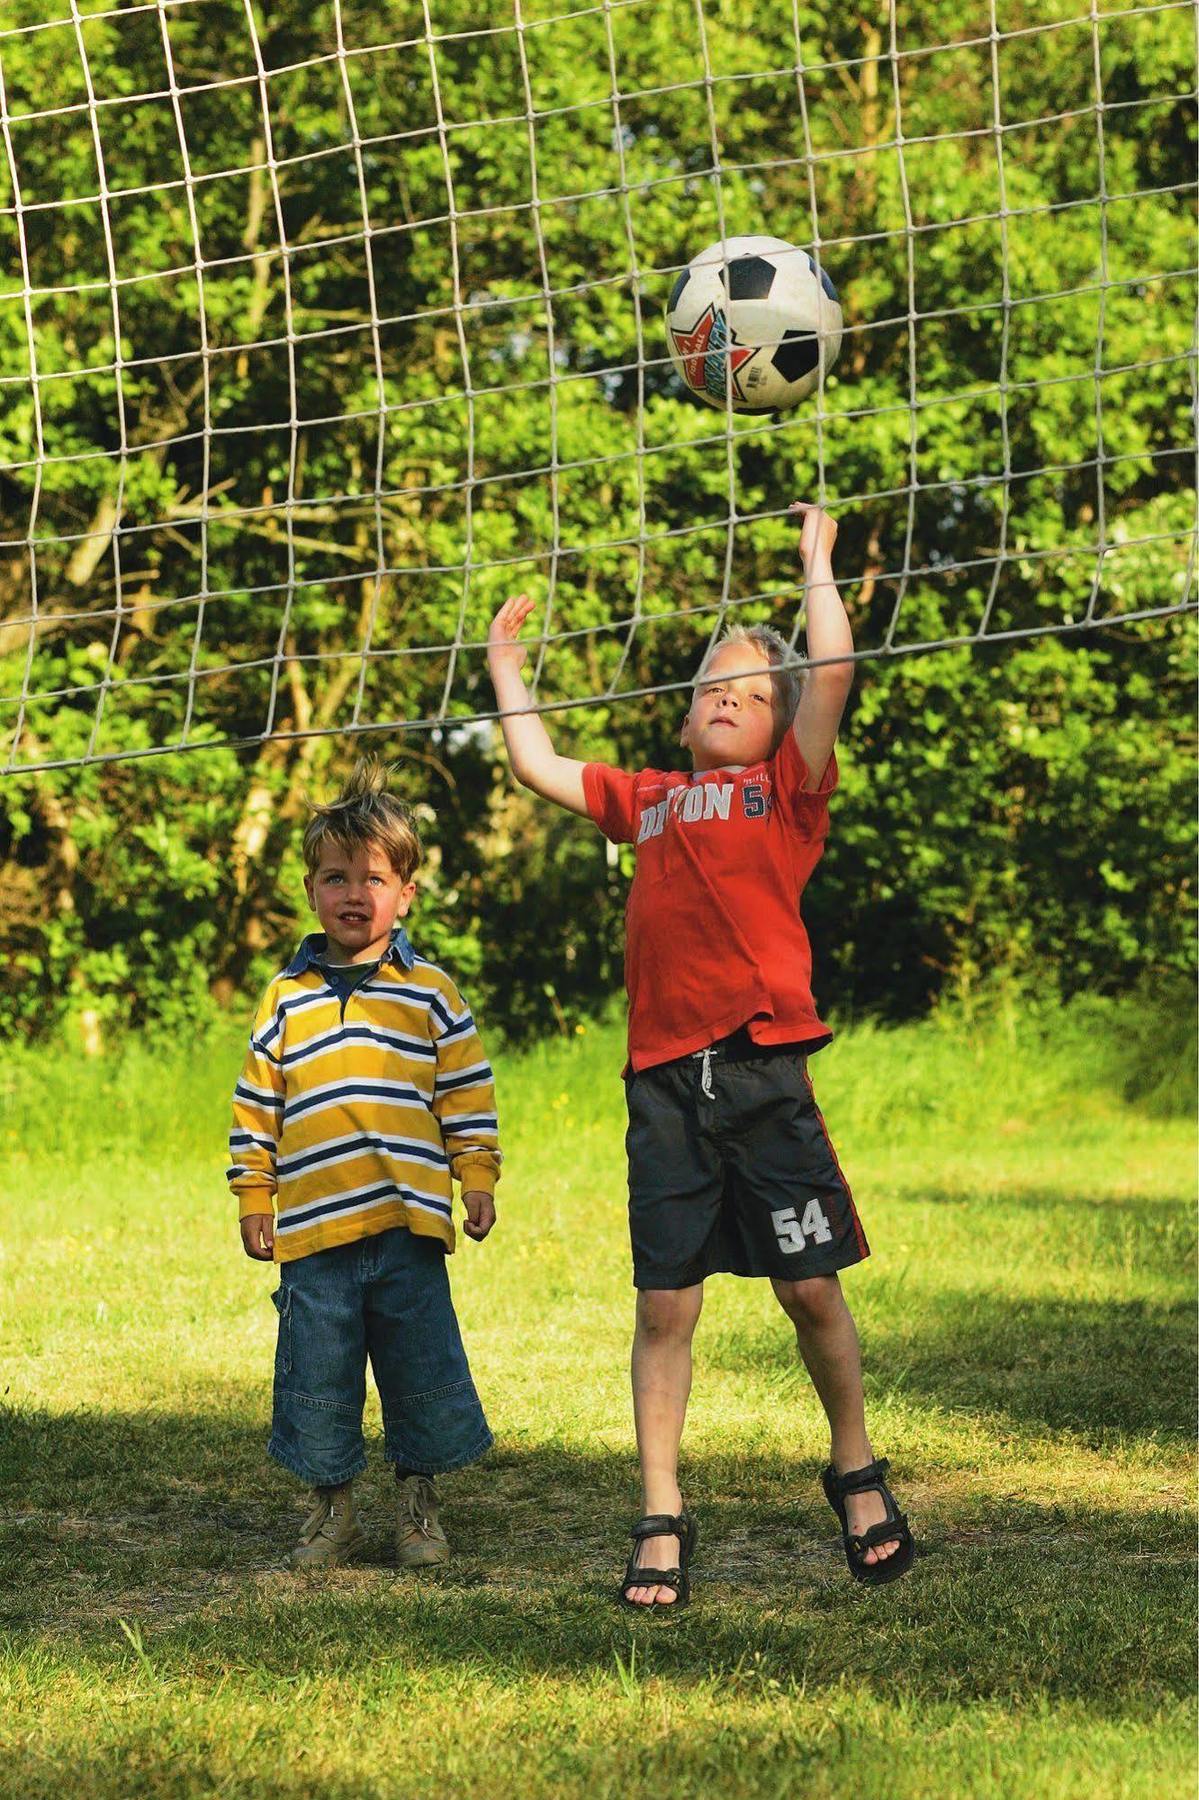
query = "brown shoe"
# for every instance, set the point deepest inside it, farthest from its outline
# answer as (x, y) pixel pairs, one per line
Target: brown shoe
(331, 1534)
(419, 1537)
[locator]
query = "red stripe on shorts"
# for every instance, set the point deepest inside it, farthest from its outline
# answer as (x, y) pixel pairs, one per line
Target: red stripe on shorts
(859, 1234)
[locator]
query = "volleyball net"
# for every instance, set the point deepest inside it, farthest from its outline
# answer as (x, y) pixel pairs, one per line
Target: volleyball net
(322, 330)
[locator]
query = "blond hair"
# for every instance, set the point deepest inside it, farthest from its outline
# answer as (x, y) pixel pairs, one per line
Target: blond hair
(364, 813)
(789, 681)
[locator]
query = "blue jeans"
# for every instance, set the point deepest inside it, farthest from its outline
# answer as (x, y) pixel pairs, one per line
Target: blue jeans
(385, 1297)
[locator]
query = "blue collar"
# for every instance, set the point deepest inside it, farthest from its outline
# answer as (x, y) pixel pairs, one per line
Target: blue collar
(316, 945)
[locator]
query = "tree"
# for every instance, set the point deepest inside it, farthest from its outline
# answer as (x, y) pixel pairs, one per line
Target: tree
(997, 807)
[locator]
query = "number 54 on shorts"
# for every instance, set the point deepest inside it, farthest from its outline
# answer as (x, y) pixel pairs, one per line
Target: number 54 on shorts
(795, 1234)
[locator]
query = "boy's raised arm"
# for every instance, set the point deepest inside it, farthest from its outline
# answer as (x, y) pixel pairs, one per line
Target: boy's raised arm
(826, 687)
(535, 762)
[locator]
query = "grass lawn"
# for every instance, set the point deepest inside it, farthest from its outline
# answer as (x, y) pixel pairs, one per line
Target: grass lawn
(1028, 1328)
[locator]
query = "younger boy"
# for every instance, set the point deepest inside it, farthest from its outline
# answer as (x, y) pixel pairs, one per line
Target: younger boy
(730, 1167)
(364, 1089)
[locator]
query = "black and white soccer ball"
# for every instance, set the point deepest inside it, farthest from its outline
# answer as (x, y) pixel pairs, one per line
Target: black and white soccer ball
(751, 322)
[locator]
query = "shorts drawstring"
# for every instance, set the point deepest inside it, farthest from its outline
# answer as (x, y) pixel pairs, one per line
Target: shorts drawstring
(705, 1075)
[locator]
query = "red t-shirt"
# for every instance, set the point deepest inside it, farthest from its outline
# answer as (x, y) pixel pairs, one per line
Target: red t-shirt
(714, 939)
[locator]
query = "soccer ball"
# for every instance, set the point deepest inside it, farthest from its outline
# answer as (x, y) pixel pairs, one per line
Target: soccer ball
(750, 323)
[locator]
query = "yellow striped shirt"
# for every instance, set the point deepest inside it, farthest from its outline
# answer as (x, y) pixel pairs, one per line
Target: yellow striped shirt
(350, 1117)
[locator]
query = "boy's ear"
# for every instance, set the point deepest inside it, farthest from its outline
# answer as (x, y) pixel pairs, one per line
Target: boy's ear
(685, 728)
(308, 891)
(406, 896)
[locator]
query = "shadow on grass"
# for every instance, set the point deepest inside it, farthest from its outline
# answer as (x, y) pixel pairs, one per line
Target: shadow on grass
(1103, 1370)
(176, 1523)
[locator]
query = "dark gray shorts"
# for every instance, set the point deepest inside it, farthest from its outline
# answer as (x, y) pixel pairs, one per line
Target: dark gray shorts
(731, 1171)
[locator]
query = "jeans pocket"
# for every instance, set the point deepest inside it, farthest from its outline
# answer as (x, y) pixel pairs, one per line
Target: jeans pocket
(282, 1300)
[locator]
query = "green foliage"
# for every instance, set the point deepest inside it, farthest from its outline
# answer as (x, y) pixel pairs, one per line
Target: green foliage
(1015, 808)
(1011, 813)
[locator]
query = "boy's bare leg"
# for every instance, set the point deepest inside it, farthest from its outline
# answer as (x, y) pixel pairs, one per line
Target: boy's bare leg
(828, 1343)
(666, 1321)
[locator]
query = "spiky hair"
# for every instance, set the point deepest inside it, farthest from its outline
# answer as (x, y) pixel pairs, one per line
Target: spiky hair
(365, 812)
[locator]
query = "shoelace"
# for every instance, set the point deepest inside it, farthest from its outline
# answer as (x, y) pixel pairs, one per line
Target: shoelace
(316, 1521)
(418, 1518)
(321, 1522)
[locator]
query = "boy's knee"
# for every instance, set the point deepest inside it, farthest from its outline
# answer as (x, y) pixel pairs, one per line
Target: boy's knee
(817, 1301)
(664, 1313)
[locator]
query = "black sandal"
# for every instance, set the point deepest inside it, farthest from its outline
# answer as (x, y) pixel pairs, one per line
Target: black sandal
(661, 1525)
(873, 1478)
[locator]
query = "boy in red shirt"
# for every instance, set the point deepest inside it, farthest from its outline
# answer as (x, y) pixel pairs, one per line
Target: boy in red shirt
(730, 1166)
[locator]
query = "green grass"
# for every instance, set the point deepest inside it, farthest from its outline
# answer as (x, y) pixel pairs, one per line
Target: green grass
(1027, 1321)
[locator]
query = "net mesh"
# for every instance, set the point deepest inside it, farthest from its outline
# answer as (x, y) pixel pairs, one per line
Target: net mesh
(320, 336)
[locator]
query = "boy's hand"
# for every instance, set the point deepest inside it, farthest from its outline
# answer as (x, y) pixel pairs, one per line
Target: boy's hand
(504, 650)
(480, 1210)
(258, 1236)
(535, 762)
(819, 532)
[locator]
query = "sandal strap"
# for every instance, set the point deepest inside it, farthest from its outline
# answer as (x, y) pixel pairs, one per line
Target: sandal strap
(659, 1525)
(671, 1578)
(882, 1533)
(860, 1481)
